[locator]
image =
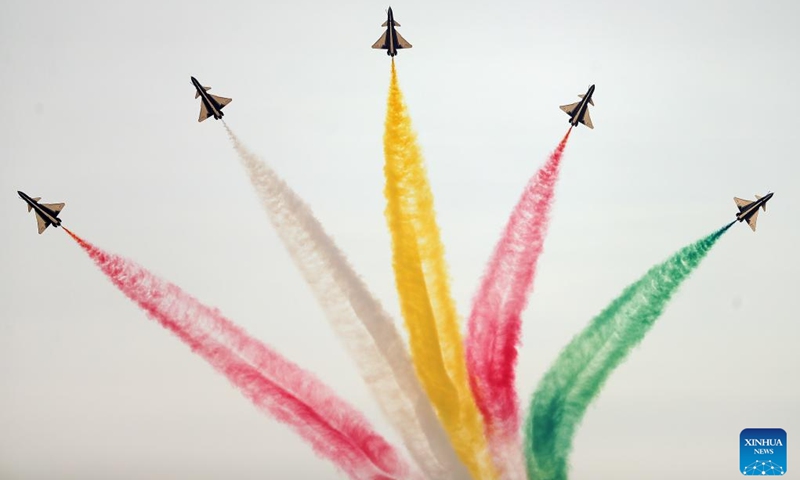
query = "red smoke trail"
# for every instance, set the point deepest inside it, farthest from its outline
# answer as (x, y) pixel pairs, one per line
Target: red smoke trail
(293, 396)
(493, 334)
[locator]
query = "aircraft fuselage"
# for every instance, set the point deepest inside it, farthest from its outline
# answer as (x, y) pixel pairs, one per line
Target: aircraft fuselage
(582, 106)
(392, 50)
(752, 208)
(211, 105)
(391, 40)
(43, 211)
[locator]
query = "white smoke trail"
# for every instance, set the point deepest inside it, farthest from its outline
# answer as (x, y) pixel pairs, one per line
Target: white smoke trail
(359, 320)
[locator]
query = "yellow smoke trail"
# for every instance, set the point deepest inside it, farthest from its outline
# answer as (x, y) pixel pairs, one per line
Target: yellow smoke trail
(424, 289)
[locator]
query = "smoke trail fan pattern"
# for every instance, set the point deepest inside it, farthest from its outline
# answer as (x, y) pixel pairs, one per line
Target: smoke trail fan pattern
(453, 403)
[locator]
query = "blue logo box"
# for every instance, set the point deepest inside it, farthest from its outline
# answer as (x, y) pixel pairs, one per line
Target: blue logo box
(762, 452)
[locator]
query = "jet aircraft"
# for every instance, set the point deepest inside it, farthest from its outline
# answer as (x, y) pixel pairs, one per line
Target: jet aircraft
(209, 104)
(748, 209)
(46, 213)
(391, 41)
(579, 111)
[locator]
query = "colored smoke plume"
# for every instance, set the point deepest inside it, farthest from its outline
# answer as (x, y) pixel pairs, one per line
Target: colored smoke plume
(579, 372)
(423, 286)
(366, 330)
(334, 429)
(493, 335)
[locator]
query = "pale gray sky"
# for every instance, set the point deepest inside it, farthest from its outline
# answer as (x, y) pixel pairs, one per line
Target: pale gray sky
(695, 104)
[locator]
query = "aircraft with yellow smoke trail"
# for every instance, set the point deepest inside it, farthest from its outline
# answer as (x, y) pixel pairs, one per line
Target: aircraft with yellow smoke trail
(46, 213)
(579, 111)
(209, 104)
(391, 41)
(748, 209)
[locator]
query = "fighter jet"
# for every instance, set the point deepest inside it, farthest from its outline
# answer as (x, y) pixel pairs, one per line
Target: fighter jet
(391, 41)
(748, 209)
(46, 213)
(579, 111)
(209, 104)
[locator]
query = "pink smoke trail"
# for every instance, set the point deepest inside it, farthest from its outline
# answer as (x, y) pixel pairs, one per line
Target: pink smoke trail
(277, 386)
(493, 331)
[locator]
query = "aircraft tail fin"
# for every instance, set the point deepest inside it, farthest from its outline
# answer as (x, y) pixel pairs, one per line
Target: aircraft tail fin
(197, 94)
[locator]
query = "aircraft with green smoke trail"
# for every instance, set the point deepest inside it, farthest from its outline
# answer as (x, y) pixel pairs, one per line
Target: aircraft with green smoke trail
(748, 209)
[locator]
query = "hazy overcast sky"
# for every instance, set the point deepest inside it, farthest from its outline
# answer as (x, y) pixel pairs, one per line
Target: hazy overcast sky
(695, 104)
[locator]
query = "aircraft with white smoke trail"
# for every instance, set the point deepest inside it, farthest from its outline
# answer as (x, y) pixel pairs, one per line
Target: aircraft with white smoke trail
(46, 213)
(391, 41)
(748, 209)
(209, 104)
(579, 111)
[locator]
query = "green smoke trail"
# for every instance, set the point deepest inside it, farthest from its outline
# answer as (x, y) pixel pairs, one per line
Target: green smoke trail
(575, 379)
